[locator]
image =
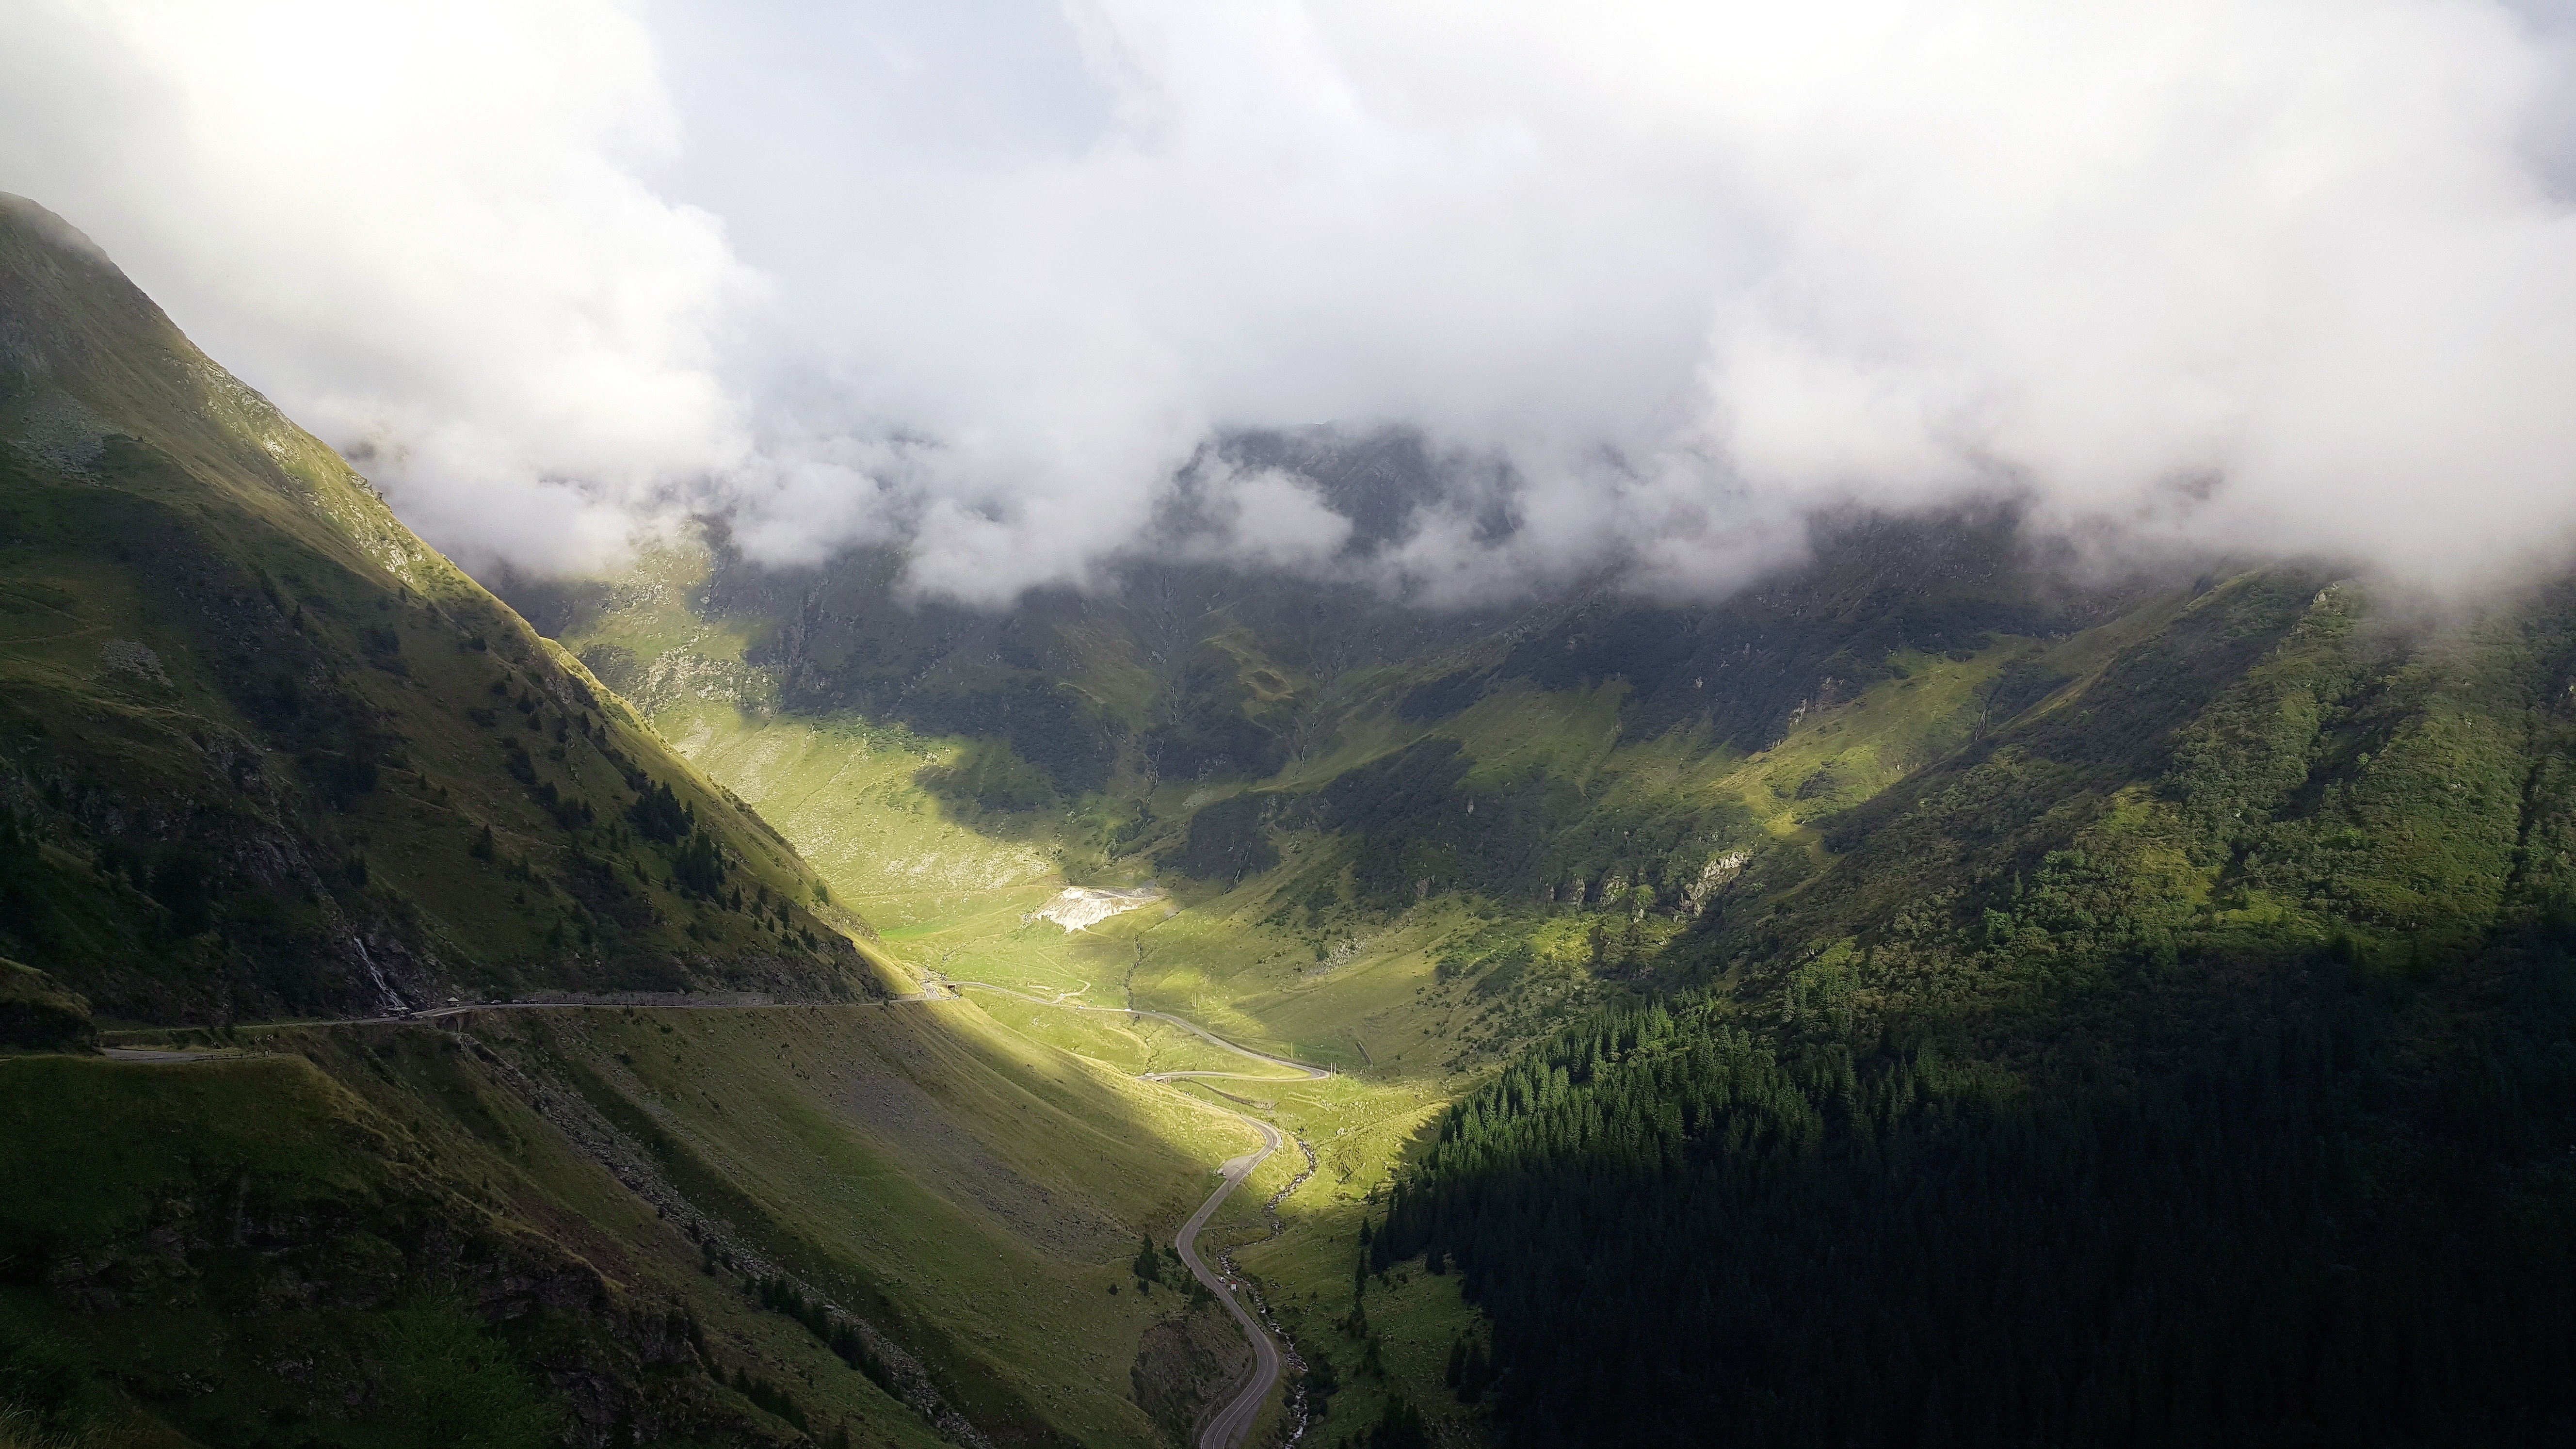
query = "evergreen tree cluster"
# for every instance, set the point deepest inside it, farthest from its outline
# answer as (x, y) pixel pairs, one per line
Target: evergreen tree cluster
(659, 815)
(2308, 1223)
(698, 869)
(1471, 1368)
(769, 1398)
(1321, 1381)
(1399, 1426)
(831, 1330)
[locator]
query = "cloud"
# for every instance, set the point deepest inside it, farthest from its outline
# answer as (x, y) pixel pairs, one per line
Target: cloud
(425, 230)
(1262, 517)
(1651, 282)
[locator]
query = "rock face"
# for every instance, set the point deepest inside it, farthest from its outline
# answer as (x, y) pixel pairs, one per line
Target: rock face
(306, 1260)
(1186, 1366)
(37, 1014)
(1080, 906)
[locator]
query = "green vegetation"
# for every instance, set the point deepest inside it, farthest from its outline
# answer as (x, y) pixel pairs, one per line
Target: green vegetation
(2152, 924)
(37, 1013)
(978, 1192)
(2120, 1084)
(460, 1386)
(880, 1215)
(2230, 1248)
(263, 753)
(1428, 877)
(148, 1290)
(1915, 1000)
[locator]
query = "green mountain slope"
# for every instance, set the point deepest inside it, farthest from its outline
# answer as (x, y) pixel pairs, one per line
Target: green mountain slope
(264, 756)
(263, 752)
(1491, 771)
(2081, 915)
(1462, 832)
(757, 1225)
(2192, 1060)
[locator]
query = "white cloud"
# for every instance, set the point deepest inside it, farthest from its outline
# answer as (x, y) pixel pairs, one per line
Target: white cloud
(1266, 517)
(990, 276)
(423, 229)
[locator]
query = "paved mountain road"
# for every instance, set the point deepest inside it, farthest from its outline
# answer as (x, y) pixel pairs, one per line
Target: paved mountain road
(1302, 1070)
(1233, 1422)
(165, 1058)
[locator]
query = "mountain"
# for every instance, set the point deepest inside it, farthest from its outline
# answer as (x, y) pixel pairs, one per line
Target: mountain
(264, 753)
(268, 763)
(2128, 1008)
(1938, 993)
(2190, 1059)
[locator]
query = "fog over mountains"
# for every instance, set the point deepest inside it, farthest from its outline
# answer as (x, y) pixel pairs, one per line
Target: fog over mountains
(1267, 724)
(1643, 286)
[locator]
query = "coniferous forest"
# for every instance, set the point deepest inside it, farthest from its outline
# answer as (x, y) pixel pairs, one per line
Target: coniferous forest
(2301, 1230)
(2219, 1092)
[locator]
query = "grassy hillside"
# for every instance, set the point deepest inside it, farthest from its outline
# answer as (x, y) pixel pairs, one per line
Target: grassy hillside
(1405, 850)
(263, 756)
(325, 1268)
(262, 752)
(609, 1207)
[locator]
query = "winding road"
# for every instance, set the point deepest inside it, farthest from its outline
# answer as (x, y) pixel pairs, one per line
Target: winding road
(1303, 1070)
(1233, 1422)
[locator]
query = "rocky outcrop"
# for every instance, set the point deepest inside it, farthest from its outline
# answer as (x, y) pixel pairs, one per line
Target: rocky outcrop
(1186, 1365)
(38, 1014)
(277, 1270)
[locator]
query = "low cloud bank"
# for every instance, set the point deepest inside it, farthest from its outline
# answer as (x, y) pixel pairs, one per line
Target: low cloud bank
(1639, 285)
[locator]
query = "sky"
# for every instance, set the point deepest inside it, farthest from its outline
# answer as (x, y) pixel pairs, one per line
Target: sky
(996, 280)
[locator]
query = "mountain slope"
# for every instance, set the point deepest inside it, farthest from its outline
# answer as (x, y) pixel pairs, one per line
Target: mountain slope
(1427, 843)
(2191, 1060)
(720, 1225)
(263, 752)
(264, 755)
(1932, 921)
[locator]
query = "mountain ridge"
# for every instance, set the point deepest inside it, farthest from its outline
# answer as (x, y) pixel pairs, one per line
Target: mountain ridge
(272, 771)
(203, 597)
(1927, 917)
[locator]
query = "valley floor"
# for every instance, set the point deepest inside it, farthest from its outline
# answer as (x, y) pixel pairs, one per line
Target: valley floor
(1367, 1041)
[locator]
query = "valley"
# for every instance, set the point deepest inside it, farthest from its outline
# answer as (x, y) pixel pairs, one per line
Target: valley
(1406, 1005)
(1935, 992)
